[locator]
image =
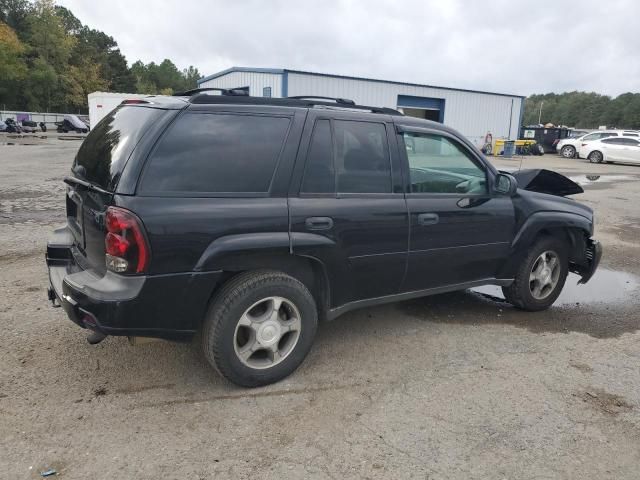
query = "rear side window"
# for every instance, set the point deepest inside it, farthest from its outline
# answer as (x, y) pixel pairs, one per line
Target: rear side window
(356, 162)
(216, 153)
(104, 153)
(362, 157)
(614, 140)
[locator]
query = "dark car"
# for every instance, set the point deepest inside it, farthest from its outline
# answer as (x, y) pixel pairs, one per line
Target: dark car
(251, 219)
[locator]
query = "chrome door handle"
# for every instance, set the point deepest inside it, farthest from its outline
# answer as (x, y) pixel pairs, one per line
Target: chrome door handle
(319, 223)
(425, 219)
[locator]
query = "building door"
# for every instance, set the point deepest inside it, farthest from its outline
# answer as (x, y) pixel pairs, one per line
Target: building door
(426, 108)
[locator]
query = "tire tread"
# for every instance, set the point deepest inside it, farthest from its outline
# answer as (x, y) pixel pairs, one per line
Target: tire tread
(229, 295)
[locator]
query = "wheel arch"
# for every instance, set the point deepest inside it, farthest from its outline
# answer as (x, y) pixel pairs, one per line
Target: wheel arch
(569, 227)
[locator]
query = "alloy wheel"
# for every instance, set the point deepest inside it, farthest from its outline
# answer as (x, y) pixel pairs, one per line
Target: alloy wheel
(267, 332)
(544, 275)
(595, 157)
(568, 152)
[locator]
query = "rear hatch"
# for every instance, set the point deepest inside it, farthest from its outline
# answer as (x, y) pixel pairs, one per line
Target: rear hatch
(94, 176)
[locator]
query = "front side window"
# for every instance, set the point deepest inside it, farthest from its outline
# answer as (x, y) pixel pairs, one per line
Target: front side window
(217, 153)
(614, 141)
(440, 165)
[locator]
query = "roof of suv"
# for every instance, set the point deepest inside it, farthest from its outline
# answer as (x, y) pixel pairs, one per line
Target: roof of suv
(300, 102)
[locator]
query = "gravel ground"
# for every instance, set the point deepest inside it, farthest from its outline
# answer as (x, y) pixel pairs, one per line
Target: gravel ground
(453, 386)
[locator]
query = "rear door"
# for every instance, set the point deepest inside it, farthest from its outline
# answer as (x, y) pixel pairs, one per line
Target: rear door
(631, 152)
(346, 204)
(613, 148)
(459, 231)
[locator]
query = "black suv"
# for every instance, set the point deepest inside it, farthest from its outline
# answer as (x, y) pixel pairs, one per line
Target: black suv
(250, 219)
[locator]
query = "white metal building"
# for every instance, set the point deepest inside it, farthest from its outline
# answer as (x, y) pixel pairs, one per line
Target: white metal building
(473, 113)
(101, 103)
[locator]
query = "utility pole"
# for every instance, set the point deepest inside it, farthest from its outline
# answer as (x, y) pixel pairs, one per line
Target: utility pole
(540, 114)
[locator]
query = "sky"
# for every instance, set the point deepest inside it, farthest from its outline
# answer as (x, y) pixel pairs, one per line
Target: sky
(519, 47)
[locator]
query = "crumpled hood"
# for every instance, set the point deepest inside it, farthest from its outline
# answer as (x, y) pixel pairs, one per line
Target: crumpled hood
(546, 181)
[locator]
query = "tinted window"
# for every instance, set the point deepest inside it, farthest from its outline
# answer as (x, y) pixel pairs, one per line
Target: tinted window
(629, 141)
(440, 165)
(319, 174)
(362, 157)
(217, 153)
(105, 151)
(615, 141)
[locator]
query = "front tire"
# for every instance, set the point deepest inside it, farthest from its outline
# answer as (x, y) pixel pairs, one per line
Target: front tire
(568, 151)
(541, 277)
(259, 328)
(595, 157)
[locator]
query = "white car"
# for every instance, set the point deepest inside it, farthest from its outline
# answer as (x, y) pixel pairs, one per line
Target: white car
(568, 147)
(613, 149)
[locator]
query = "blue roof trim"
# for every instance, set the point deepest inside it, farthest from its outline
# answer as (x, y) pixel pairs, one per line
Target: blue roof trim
(240, 69)
(346, 77)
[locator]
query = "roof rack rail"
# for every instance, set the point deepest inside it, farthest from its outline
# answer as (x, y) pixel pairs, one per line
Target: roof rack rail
(342, 101)
(232, 92)
(303, 102)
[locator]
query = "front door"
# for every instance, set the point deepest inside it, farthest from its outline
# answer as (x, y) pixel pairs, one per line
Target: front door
(459, 231)
(344, 212)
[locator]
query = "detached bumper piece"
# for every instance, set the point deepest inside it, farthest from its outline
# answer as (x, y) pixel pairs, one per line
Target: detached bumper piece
(592, 256)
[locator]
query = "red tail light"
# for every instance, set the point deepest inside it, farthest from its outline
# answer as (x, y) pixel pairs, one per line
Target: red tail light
(126, 246)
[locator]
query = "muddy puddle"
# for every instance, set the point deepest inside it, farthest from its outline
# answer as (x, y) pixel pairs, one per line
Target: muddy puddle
(606, 286)
(606, 307)
(597, 179)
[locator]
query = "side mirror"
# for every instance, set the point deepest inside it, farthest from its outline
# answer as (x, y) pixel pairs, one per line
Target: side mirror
(505, 184)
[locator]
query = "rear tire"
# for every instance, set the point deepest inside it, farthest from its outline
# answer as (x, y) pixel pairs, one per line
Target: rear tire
(259, 328)
(568, 151)
(540, 279)
(595, 157)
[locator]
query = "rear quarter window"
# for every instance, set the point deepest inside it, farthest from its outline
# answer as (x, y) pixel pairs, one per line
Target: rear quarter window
(216, 153)
(104, 153)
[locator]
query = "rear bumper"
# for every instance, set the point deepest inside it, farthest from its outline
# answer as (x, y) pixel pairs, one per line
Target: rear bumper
(165, 306)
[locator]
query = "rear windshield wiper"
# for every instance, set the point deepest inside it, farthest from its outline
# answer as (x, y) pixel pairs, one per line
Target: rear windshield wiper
(89, 186)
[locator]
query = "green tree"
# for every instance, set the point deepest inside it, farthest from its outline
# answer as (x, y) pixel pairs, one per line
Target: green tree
(50, 61)
(15, 13)
(13, 68)
(584, 110)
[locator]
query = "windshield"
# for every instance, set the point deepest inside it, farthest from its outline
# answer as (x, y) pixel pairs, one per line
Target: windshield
(103, 154)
